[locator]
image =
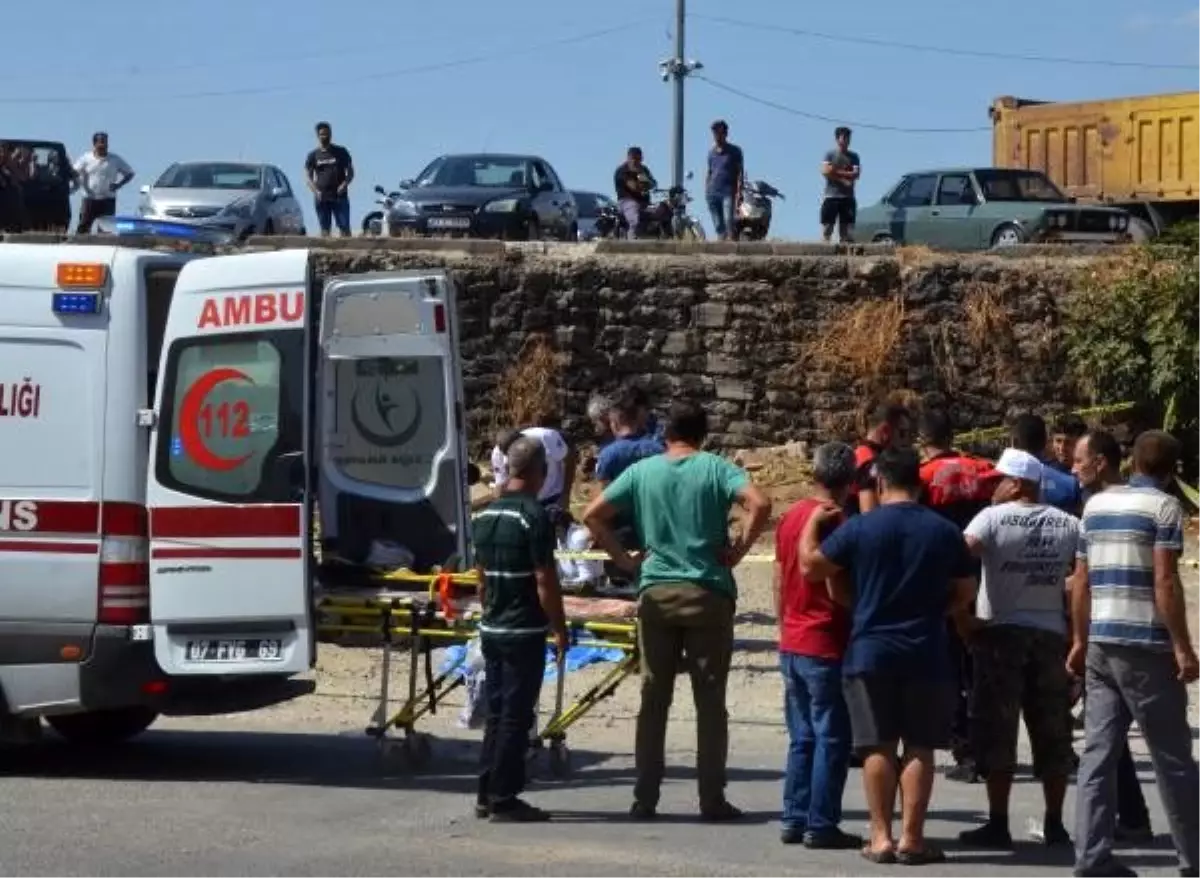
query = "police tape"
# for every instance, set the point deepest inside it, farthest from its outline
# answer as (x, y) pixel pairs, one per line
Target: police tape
(604, 556)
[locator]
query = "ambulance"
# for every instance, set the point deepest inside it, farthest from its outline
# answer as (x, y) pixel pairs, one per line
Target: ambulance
(168, 423)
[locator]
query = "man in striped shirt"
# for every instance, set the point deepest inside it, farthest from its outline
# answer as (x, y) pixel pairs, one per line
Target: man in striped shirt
(1131, 640)
(522, 601)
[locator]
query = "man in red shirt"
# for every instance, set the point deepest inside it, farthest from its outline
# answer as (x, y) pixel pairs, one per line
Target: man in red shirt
(889, 426)
(813, 631)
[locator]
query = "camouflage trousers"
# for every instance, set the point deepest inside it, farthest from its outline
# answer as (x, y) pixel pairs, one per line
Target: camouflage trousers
(1021, 671)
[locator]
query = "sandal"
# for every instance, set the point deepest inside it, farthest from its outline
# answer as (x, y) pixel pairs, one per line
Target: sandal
(924, 857)
(882, 858)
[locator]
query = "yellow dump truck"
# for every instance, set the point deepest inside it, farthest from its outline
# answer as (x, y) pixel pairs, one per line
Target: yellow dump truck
(1137, 153)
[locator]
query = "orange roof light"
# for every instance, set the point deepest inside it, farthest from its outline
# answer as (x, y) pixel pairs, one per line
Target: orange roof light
(81, 275)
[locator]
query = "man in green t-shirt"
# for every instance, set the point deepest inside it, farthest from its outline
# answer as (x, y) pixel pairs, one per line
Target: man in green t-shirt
(522, 602)
(679, 502)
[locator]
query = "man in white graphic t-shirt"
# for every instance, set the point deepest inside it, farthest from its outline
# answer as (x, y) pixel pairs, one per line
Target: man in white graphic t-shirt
(1018, 639)
(101, 174)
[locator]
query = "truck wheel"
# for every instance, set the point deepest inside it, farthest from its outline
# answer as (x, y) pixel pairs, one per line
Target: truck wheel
(100, 727)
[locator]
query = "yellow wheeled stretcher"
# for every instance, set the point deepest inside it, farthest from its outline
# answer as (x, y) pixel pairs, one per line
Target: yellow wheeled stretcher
(423, 611)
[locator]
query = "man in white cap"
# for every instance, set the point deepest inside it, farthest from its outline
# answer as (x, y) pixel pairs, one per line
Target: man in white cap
(1018, 637)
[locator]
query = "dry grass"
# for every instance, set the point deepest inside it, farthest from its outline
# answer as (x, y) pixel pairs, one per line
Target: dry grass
(528, 390)
(987, 321)
(941, 351)
(859, 340)
(916, 254)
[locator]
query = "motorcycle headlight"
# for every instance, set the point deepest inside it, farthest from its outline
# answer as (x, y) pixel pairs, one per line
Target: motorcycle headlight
(402, 208)
(502, 205)
(239, 209)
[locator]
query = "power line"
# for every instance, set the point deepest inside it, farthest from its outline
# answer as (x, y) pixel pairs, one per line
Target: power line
(942, 50)
(310, 85)
(817, 117)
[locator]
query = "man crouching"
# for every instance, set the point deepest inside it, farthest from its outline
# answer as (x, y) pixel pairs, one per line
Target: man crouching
(522, 601)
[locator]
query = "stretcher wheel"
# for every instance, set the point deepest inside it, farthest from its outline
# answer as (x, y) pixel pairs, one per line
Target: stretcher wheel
(560, 761)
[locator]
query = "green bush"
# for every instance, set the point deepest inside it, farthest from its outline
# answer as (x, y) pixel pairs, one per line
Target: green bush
(1130, 329)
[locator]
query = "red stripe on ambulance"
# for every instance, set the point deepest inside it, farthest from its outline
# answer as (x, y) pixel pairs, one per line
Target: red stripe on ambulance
(72, 517)
(180, 522)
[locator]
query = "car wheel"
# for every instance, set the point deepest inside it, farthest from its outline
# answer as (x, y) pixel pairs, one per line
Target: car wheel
(1008, 235)
(99, 727)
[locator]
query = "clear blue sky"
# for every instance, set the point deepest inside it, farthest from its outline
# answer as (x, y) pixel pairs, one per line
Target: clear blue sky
(118, 67)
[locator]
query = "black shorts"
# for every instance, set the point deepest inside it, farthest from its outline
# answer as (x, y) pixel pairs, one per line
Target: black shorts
(838, 211)
(889, 707)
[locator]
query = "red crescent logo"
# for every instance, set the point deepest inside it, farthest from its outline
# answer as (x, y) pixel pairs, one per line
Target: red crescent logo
(189, 420)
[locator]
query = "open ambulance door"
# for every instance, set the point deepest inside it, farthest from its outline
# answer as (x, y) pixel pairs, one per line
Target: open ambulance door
(390, 437)
(229, 532)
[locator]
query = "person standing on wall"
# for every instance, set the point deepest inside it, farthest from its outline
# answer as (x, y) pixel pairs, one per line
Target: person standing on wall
(1132, 646)
(329, 171)
(813, 631)
(841, 170)
(101, 175)
(633, 183)
(522, 602)
(723, 182)
(679, 502)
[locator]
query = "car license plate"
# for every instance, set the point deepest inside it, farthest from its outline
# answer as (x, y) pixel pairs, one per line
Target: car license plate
(450, 222)
(219, 651)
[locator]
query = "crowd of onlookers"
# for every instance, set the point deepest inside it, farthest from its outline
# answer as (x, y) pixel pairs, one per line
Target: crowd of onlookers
(927, 599)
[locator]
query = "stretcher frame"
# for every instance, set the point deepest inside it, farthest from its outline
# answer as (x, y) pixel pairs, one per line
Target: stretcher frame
(421, 619)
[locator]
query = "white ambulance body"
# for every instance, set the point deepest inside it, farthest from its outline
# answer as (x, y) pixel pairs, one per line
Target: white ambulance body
(161, 457)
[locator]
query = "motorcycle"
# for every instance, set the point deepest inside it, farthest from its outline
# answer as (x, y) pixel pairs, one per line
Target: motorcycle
(376, 222)
(665, 219)
(753, 218)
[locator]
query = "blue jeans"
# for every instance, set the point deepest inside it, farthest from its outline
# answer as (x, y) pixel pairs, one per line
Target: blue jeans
(333, 210)
(724, 222)
(819, 746)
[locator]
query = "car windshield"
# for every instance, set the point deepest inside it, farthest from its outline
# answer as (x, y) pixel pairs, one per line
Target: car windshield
(1017, 186)
(211, 175)
(475, 170)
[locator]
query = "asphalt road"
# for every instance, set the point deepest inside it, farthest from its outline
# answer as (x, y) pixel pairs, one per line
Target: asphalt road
(247, 802)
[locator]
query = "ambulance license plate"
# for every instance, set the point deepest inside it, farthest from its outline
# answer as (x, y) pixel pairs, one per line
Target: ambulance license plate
(219, 651)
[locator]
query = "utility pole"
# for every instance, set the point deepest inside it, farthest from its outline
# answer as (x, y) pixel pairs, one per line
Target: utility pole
(677, 69)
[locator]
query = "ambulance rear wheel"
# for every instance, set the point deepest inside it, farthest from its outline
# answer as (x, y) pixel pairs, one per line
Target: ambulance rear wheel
(98, 727)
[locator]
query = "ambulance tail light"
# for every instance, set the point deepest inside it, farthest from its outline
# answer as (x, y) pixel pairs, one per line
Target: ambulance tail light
(124, 582)
(439, 318)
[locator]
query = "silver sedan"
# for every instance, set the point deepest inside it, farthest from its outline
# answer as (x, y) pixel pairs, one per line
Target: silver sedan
(236, 197)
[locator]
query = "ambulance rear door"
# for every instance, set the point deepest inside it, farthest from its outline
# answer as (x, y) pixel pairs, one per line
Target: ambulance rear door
(229, 585)
(392, 445)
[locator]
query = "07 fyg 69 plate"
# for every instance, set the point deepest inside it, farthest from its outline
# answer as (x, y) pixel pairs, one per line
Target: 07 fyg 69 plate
(221, 651)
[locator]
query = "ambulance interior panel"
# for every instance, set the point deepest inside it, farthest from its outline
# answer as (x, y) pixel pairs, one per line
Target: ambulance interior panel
(391, 481)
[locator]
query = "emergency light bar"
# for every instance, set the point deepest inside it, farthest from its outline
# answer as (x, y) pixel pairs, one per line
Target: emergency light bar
(140, 227)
